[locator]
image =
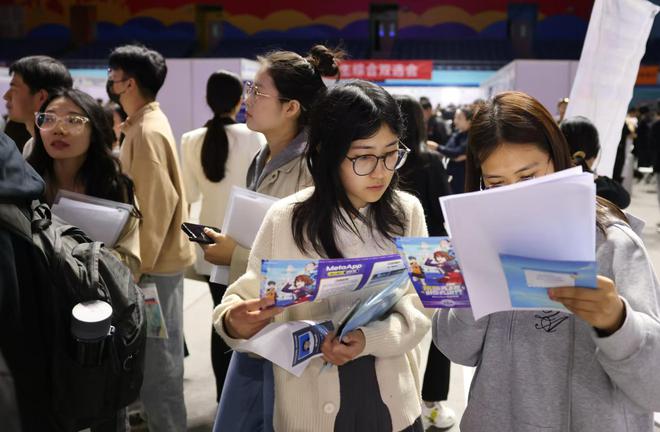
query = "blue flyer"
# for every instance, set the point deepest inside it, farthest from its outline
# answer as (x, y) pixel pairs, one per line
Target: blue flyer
(434, 271)
(529, 278)
(291, 282)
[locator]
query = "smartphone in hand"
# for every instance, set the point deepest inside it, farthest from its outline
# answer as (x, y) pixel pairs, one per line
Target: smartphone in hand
(195, 232)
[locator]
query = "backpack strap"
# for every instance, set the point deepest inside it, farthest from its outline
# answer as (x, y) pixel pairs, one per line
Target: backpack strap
(16, 219)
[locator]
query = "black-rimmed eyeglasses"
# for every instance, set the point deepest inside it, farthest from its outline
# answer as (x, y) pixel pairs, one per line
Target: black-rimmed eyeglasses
(366, 164)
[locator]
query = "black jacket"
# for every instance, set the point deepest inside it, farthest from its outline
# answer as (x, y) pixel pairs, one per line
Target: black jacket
(21, 335)
(612, 191)
(425, 177)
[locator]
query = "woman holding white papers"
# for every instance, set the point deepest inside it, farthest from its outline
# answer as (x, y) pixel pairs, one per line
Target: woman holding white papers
(73, 152)
(213, 159)
(278, 104)
(354, 210)
(594, 370)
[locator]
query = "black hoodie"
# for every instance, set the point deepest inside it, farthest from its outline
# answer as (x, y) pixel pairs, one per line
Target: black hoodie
(20, 341)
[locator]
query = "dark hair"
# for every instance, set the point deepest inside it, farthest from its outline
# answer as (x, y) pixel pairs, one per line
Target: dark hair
(349, 111)
(467, 111)
(517, 118)
(425, 103)
(101, 172)
(582, 138)
(42, 72)
(146, 66)
(223, 92)
(114, 107)
(300, 78)
(414, 135)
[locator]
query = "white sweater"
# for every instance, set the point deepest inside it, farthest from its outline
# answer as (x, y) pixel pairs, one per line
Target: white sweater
(243, 146)
(311, 402)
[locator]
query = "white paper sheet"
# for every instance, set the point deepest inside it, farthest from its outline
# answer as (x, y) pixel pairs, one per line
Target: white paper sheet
(102, 220)
(277, 343)
(245, 212)
(552, 218)
(603, 86)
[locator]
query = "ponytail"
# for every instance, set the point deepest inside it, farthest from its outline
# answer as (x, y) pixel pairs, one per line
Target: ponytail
(223, 93)
(300, 78)
(579, 160)
(215, 148)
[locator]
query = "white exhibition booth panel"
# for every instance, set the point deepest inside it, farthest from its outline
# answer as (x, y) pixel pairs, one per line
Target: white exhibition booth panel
(183, 96)
(546, 80)
(443, 95)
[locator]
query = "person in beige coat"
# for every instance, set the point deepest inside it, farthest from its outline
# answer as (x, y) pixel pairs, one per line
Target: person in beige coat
(353, 210)
(278, 104)
(149, 156)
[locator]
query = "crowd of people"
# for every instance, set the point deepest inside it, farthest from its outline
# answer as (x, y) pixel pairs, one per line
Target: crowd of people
(354, 168)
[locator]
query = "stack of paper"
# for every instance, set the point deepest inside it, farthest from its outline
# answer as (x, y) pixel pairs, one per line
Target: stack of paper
(245, 212)
(551, 219)
(102, 220)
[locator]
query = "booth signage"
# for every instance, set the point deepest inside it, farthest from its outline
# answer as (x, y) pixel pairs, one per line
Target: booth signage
(381, 70)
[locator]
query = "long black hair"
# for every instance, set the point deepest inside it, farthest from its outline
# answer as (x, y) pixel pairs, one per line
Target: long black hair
(100, 173)
(349, 111)
(223, 92)
(414, 136)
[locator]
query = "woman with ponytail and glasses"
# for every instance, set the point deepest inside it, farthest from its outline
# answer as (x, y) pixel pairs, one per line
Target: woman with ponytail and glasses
(595, 370)
(213, 159)
(278, 104)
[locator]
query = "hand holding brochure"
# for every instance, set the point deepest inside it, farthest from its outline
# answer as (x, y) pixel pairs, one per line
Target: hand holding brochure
(290, 345)
(550, 221)
(292, 282)
(102, 220)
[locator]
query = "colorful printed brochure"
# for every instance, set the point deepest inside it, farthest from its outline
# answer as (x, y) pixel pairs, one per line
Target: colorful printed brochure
(434, 271)
(292, 282)
(528, 279)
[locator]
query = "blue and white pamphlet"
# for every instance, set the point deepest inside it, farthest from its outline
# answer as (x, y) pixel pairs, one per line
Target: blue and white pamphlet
(529, 279)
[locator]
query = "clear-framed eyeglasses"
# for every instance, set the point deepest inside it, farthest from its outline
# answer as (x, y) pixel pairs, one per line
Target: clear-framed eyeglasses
(366, 164)
(250, 89)
(72, 123)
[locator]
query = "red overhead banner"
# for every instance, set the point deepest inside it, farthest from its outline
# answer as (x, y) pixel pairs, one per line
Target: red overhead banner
(381, 70)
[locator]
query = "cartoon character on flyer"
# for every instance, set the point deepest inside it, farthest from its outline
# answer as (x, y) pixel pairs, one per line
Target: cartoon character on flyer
(415, 268)
(438, 261)
(311, 269)
(302, 289)
(271, 290)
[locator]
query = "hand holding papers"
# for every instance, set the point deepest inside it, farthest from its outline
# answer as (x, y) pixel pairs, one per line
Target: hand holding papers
(245, 212)
(290, 345)
(551, 218)
(102, 220)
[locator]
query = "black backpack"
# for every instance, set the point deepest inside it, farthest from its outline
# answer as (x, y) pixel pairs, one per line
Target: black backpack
(71, 269)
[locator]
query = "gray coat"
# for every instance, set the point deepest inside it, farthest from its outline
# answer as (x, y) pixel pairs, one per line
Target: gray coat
(549, 371)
